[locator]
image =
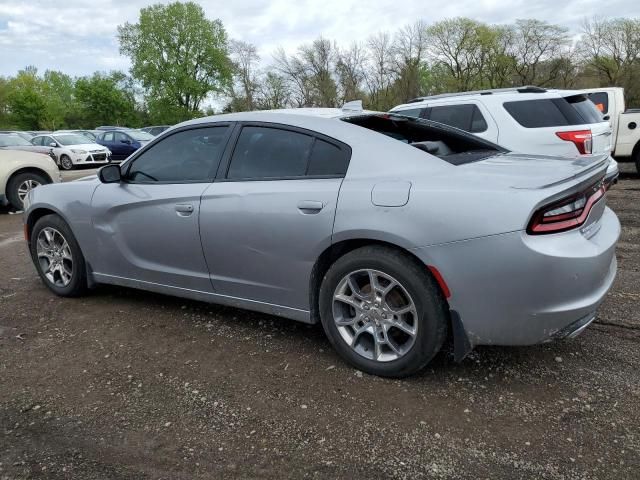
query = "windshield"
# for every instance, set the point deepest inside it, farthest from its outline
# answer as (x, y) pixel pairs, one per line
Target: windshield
(72, 139)
(13, 141)
(140, 136)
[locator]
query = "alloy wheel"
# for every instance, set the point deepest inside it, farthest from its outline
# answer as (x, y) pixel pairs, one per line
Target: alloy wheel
(54, 257)
(66, 162)
(25, 187)
(375, 315)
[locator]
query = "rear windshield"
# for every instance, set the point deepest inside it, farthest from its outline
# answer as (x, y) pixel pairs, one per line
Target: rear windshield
(554, 112)
(601, 101)
(449, 144)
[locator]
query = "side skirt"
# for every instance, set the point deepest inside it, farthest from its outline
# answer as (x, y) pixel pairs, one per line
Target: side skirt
(303, 316)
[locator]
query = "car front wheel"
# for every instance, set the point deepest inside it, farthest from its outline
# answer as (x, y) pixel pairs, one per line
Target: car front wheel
(382, 311)
(20, 186)
(57, 257)
(66, 163)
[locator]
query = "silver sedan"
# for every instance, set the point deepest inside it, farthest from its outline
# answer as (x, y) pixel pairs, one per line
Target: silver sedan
(392, 232)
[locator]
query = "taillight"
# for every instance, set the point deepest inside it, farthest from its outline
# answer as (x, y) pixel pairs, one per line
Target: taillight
(566, 214)
(582, 139)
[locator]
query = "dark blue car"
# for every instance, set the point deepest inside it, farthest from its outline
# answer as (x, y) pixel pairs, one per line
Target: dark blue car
(123, 143)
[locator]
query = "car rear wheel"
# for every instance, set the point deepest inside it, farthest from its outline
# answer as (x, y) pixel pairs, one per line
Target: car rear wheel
(66, 163)
(382, 311)
(20, 186)
(57, 257)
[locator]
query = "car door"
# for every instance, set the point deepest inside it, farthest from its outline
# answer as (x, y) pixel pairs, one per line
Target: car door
(106, 139)
(125, 142)
(270, 214)
(147, 225)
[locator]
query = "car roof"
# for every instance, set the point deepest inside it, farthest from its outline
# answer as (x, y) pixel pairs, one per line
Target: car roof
(495, 95)
(283, 115)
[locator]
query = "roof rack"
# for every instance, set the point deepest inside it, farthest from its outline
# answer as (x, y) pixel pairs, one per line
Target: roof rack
(525, 89)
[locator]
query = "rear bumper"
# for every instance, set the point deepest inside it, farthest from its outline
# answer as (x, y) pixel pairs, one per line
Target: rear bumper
(516, 289)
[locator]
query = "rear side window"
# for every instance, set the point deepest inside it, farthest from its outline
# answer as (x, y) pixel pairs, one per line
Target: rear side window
(601, 101)
(263, 152)
(467, 117)
(411, 112)
(107, 137)
(553, 112)
(327, 159)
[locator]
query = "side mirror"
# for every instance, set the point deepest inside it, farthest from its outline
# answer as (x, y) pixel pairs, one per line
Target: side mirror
(53, 144)
(110, 174)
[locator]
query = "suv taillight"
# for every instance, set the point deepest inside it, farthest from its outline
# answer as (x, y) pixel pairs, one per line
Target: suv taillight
(582, 139)
(566, 214)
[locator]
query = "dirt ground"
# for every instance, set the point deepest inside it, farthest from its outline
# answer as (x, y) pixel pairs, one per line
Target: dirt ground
(127, 384)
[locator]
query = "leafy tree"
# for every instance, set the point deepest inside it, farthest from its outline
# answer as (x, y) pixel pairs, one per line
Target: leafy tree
(103, 99)
(59, 102)
(178, 55)
(25, 99)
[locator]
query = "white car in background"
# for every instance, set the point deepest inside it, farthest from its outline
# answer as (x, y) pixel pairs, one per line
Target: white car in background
(72, 149)
(21, 172)
(529, 120)
(625, 122)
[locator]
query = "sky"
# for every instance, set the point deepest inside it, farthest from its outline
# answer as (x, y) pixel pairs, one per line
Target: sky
(79, 36)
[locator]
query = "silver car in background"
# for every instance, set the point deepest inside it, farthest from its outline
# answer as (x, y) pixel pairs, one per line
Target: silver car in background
(390, 231)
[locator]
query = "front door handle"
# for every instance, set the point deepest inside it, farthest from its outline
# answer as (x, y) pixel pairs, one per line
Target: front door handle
(184, 209)
(310, 206)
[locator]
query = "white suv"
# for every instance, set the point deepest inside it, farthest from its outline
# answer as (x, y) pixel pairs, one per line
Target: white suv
(527, 120)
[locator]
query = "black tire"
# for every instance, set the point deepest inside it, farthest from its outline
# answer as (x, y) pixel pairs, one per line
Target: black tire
(431, 307)
(637, 161)
(14, 185)
(66, 163)
(78, 283)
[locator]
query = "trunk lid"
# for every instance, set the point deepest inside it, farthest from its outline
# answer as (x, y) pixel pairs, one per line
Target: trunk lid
(523, 171)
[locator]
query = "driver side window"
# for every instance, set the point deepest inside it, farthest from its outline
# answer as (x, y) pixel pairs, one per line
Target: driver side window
(186, 156)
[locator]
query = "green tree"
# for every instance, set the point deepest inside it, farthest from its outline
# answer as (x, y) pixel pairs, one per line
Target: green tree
(179, 57)
(104, 100)
(59, 104)
(25, 99)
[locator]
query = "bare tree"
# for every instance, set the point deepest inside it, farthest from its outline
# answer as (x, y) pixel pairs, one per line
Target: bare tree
(318, 60)
(273, 92)
(245, 59)
(536, 44)
(350, 71)
(409, 55)
(380, 76)
(296, 78)
(612, 48)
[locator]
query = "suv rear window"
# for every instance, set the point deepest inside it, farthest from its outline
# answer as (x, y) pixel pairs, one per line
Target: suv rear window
(601, 101)
(466, 117)
(553, 112)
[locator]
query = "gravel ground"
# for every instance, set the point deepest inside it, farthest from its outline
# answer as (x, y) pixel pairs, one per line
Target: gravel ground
(128, 384)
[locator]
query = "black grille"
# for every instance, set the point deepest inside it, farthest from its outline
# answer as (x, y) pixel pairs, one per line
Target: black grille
(99, 157)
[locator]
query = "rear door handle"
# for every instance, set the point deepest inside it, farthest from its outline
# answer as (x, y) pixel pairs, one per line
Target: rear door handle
(310, 206)
(184, 209)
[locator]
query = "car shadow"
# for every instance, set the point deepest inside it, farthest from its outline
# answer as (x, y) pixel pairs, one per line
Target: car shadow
(311, 339)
